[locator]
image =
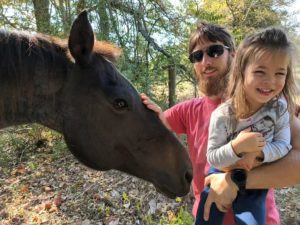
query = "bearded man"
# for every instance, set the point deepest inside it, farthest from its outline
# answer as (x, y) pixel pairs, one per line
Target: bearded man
(211, 50)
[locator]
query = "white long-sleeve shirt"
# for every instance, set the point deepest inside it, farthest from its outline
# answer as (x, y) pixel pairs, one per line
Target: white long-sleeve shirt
(272, 121)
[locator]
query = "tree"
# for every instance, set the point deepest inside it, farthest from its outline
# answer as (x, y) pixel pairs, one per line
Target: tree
(42, 16)
(153, 34)
(245, 16)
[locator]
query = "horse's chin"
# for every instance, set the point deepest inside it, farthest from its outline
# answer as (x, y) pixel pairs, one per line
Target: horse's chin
(167, 193)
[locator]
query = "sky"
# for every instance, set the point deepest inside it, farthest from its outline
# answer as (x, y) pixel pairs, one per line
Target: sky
(296, 5)
(296, 8)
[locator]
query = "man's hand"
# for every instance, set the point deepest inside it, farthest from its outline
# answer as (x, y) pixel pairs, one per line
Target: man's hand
(154, 107)
(222, 192)
(248, 141)
(150, 104)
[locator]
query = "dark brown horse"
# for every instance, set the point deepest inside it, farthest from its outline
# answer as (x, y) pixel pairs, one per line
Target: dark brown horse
(74, 88)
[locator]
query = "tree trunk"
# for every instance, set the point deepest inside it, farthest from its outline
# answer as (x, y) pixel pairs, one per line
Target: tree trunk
(104, 20)
(81, 5)
(42, 16)
(172, 85)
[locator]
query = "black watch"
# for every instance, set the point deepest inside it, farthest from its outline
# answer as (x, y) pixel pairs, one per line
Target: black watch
(239, 177)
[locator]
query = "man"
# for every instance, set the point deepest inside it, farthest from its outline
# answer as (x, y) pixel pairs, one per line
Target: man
(211, 50)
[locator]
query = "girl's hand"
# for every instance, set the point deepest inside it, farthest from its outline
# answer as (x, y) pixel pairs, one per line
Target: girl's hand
(248, 141)
(154, 107)
(249, 160)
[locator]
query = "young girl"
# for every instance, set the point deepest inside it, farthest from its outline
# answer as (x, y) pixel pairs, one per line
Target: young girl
(252, 126)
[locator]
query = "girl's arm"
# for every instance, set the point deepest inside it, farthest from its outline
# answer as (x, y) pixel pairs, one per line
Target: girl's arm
(223, 154)
(280, 145)
(282, 173)
(220, 153)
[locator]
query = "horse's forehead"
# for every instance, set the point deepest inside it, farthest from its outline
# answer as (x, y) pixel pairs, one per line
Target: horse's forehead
(110, 77)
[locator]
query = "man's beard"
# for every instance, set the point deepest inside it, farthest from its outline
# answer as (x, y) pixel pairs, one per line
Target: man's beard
(216, 85)
(213, 86)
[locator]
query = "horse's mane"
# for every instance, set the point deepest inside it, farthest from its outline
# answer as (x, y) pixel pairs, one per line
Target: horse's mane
(50, 44)
(108, 50)
(24, 55)
(103, 48)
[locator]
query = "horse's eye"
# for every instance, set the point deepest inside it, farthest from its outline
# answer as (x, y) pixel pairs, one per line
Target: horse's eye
(120, 104)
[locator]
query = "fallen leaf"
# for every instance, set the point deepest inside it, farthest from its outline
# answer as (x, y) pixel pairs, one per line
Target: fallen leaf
(47, 189)
(171, 215)
(48, 205)
(3, 214)
(58, 200)
(24, 189)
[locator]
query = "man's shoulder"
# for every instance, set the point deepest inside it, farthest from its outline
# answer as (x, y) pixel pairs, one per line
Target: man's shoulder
(191, 102)
(192, 106)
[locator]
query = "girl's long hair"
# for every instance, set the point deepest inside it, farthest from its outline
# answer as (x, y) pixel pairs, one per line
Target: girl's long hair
(273, 41)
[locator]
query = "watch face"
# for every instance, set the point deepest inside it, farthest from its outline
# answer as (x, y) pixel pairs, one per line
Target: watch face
(239, 176)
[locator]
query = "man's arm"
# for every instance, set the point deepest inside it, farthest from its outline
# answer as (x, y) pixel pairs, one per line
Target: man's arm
(284, 172)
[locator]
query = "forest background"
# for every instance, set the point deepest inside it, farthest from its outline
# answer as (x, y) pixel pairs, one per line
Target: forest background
(35, 167)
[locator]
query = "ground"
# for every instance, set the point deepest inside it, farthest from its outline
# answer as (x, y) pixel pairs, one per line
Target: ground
(42, 183)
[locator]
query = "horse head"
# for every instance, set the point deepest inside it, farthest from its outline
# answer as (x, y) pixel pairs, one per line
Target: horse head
(106, 126)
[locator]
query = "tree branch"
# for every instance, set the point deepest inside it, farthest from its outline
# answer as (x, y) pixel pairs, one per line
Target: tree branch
(140, 28)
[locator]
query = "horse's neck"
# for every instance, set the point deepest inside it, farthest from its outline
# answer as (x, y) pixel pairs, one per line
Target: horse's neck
(32, 73)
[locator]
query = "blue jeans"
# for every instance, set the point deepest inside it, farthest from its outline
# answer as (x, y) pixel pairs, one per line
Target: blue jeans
(248, 208)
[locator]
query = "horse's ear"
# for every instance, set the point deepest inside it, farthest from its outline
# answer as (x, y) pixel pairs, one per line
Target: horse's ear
(81, 39)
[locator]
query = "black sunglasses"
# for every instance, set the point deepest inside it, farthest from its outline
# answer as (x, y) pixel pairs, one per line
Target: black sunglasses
(212, 51)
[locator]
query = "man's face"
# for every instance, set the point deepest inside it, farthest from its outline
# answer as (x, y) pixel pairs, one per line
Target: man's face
(212, 72)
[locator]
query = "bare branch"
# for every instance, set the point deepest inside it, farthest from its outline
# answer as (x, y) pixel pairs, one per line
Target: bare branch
(141, 29)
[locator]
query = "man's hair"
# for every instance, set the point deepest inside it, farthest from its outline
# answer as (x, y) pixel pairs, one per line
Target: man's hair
(271, 41)
(210, 32)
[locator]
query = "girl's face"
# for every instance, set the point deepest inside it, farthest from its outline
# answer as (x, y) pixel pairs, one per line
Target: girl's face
(265, 78)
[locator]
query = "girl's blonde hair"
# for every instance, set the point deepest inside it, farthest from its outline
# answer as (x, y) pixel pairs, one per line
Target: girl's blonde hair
(271, 40)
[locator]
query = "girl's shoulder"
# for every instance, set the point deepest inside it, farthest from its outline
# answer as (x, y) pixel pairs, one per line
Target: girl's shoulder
(222, 117)
(282, 103)
(279, 104)
(276, 107)
(224, 108)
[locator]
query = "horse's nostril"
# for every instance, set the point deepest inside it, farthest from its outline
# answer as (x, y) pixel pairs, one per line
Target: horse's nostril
(189, 175)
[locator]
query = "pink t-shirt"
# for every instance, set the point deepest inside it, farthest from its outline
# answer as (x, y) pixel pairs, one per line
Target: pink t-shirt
(192, 118)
